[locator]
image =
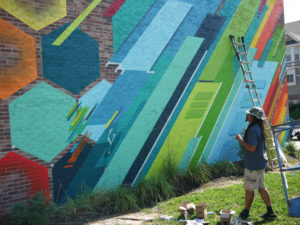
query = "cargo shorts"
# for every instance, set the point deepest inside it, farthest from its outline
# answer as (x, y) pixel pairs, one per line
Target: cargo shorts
(254, 179)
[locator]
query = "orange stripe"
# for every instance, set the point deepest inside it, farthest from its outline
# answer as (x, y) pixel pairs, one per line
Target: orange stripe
(68, 166)
(78, 150)
(268, 101)
(280, 105)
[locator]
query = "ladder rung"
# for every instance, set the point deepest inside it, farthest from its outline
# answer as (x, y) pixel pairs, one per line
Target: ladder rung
(242, 53)
(247, 71)
(249, 81)
(239, 44)
(244, 62)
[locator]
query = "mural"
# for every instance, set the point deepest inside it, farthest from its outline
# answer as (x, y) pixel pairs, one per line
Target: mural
(102, 97)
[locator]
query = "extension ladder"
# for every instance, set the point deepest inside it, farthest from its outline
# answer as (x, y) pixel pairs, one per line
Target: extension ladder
(242, 56)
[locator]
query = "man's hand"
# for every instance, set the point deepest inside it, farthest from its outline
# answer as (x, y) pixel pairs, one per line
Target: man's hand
(248, 147)
(239, 138)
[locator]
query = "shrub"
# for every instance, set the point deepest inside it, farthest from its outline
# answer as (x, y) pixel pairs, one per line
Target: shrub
(224, 168)
(198, 174)
(36, 212)
(153, 190)
(290, 149)
(295, 111)
(124, 200)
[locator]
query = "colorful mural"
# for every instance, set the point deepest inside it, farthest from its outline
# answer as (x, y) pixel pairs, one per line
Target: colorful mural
(105, 95)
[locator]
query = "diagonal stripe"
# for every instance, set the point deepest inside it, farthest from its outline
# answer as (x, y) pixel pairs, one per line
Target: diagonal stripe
(113, 117)
(76, 23)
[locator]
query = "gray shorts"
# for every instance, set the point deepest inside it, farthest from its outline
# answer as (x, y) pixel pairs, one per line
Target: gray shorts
(254, 179)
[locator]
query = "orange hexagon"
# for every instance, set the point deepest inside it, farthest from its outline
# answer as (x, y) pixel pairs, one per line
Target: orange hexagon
(36, 13)
(18, 59)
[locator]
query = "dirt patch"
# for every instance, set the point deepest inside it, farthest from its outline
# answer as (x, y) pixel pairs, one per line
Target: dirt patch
(219, 183)
(132, 219)
(141, 217)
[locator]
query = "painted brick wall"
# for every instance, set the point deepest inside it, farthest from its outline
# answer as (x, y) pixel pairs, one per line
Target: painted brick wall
(95, 25)
(98, 92)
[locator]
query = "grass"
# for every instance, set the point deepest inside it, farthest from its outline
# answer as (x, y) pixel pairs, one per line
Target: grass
(233, 198)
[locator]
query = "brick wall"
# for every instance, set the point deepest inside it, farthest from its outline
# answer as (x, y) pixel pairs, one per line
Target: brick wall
(13, 186)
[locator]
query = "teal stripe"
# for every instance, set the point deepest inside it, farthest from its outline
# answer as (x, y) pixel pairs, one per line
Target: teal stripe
(188, 154)
(141, 128)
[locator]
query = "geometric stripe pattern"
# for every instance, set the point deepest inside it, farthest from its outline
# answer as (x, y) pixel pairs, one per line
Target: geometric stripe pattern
(179, 91)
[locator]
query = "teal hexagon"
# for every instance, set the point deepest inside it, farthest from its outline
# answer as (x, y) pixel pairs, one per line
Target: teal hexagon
(38, 121)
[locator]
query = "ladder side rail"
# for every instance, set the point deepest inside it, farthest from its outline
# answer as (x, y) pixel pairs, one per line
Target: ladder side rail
(257, 96)
(280, 166)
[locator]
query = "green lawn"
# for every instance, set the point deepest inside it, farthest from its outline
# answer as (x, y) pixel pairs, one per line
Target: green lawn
(233, 198)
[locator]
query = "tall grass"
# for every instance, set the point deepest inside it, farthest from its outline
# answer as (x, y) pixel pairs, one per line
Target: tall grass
(153, 190)
(171, 183)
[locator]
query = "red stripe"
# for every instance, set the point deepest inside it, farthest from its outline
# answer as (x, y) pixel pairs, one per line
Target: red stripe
(113, 8)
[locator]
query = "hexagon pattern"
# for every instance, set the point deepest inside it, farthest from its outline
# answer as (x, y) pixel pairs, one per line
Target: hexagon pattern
(74, 64)
(38, 121)
(36, 14)
(18, 53)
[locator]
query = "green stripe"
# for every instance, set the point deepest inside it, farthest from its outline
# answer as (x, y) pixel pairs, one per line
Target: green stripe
(238, 26)
(76, 23)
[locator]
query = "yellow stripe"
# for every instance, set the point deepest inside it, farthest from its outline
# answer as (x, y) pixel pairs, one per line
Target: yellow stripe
(76, 23)
(113, 117)
(270, 4)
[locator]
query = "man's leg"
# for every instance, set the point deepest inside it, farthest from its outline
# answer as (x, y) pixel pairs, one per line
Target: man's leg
(248, 202)
(270, 214)
(249, 199)
(265, 196)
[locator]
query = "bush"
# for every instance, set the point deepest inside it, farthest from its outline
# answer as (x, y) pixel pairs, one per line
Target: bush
(290, 149)
(295, 111)
(224, 168)
(153, 190)
(124, 200)
(199, 174)
(36, 212)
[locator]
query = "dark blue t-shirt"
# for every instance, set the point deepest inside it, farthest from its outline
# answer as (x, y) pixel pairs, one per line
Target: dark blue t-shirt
(258, 159)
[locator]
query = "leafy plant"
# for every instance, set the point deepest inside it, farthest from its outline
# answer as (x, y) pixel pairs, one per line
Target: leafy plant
(225, 168)
(199, 174)
(36, 212)
(124, 200)
(291, 149)
(153, 190)
(295, 111)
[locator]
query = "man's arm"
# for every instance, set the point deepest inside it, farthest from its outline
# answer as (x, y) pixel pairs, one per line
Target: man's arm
(250, 148)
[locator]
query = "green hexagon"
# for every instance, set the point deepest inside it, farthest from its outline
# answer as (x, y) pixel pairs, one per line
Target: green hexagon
(38, 121)
(36, 14)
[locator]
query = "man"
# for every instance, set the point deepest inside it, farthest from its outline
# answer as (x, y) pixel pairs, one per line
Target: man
(255, 160)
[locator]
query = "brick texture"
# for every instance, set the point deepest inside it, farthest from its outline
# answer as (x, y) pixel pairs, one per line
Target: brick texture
(14, 185)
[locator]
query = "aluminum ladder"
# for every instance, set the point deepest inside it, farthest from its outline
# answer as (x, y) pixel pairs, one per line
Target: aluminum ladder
(242, 56)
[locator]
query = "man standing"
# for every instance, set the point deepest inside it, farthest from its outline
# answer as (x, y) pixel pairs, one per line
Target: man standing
(255, 160)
